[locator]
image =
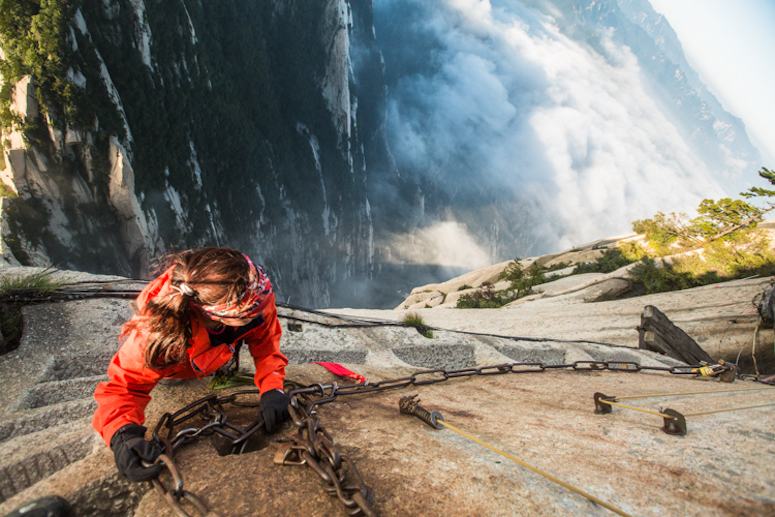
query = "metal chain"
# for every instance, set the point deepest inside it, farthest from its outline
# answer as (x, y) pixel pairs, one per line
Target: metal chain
(176, 496)
(314, 446)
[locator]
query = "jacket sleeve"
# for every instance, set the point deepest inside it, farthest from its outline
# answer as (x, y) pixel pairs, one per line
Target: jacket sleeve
(264, 346)
(122, 399)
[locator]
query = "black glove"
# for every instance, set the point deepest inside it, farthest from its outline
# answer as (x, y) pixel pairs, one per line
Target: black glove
(274, 408)
(130, 448)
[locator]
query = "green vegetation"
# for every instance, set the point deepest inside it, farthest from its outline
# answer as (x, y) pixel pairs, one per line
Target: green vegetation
(523, 279)
(632, 251)
(413, 319)
(34, 37)
(611, 260)
(721, 243)
(557, 267)
(5, 190)
(657, 279)
(11, 321)
(40, 283)
(727, 220)
(521, 282)
(464, 287)
(222, 381)
(226, 93)
(485, 298)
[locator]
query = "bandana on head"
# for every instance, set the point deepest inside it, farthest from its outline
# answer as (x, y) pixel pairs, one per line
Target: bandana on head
(251, 303)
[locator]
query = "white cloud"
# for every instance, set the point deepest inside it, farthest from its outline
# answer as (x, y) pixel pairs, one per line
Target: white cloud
(546, 119)
(445, 243)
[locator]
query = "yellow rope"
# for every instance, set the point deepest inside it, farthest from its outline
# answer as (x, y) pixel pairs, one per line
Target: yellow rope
(728, 409)
(636, 408)
(536, 470)
(700, 413)
(676, 394)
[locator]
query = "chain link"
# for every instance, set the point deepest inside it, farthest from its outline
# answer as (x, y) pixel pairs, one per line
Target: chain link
(313, 445)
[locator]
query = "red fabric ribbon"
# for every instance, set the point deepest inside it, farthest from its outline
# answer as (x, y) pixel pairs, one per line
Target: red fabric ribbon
(340, 371)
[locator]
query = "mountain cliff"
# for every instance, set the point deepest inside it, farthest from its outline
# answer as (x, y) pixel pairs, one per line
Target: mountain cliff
(186, 123)
(345, 145)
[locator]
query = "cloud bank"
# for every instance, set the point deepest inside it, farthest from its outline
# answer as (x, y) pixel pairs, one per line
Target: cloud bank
(445, 243)
(492, 102)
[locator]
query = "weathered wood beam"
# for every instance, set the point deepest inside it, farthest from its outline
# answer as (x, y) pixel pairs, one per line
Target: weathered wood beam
(658, 334)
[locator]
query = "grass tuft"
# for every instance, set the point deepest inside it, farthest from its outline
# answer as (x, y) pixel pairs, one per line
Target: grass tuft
(222, 381)
(413, 319)
(41, 282)
(11, 320)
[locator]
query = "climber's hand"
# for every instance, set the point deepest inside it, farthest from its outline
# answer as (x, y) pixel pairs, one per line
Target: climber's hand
(131, 449)
(274, 408)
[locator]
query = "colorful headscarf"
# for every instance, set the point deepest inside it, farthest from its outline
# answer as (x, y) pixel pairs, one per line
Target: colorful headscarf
(251, 303)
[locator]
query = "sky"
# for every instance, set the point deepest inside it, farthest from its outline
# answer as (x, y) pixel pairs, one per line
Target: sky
(731, 44)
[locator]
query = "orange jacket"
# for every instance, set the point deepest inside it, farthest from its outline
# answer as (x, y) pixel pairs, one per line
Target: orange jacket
(122, 399)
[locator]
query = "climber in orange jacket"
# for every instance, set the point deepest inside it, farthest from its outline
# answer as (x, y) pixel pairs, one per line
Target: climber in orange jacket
(188, 323)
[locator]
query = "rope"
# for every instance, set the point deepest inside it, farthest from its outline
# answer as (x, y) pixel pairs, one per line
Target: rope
(753, 347)
(375, 322)
(728, 410)
(534, 469)
(636, 408)
(680, 393)
(699, 413)
(348, 321)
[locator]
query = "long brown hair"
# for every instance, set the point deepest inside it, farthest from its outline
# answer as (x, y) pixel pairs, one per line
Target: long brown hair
(216, 275)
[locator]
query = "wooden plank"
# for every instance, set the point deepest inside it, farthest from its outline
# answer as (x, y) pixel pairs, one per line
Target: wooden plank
(658, 334)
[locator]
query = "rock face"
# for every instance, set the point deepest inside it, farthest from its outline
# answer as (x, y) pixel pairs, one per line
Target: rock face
(256, 125)
(265, 124)
(721, 317)
(547, 419)
(446, 294)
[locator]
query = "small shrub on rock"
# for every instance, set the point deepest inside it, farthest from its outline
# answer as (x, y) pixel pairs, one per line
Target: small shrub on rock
(413, 319)
(36, 283)
(611, 260)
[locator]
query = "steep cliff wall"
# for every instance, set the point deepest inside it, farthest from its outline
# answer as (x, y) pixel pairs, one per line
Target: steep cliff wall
(184, 123)
(131, 127)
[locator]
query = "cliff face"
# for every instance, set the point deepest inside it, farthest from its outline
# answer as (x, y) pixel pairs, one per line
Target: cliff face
(47, 445)
(189, 123)
(133, 127)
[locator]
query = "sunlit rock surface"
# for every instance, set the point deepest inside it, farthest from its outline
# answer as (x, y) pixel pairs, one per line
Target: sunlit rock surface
(546, 418)
(598, 306)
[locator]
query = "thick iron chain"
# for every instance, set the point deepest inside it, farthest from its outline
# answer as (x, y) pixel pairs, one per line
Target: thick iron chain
(314, 446)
